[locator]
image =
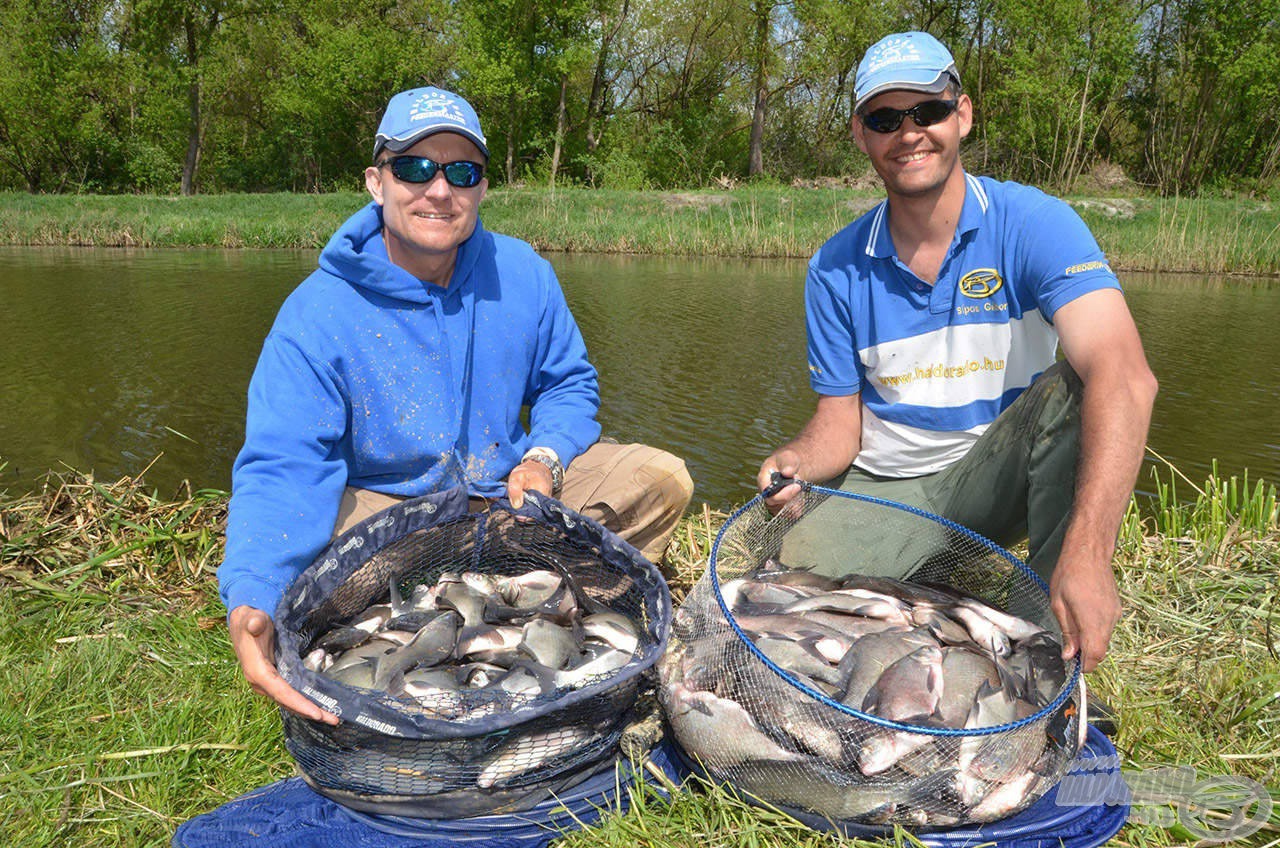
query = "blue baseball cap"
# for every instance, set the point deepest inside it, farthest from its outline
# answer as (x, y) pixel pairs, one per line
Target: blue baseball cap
(419, 112)
(914, 61)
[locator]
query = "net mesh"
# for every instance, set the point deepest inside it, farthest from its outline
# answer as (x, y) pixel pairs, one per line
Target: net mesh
(791, 678)
(470, 748)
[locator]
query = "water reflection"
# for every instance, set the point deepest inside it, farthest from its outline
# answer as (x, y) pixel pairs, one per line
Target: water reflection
(114, 357)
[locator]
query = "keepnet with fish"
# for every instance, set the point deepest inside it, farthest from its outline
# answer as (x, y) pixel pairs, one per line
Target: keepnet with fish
(913, 677)
(481, 662)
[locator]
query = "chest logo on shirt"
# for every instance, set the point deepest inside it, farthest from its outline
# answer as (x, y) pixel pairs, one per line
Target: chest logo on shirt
(981, 282)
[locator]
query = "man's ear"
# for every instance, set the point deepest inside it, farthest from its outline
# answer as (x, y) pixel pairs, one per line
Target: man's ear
(964, 112)
(858, 131)
(373, 182)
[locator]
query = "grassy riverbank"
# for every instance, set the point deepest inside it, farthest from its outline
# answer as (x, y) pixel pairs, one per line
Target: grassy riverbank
(122, 712)
(1137, 232)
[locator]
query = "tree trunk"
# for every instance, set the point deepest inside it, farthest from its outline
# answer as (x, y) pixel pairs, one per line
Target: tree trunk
(560, 122)
(595, 101)
(755, 148)
(192, 161)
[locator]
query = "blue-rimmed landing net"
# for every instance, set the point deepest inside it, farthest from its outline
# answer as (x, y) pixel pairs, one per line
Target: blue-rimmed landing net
(745, 715)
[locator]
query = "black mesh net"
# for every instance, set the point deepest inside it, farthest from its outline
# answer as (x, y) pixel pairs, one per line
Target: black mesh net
(456, 735)
(873, 664)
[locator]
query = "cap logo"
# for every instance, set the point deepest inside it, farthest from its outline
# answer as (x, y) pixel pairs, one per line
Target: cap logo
(893, 51)
(436, 106)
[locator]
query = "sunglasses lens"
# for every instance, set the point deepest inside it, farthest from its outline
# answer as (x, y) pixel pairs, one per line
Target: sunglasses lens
(413, 169)
(463, 174)
(932, 112)
(884, 120)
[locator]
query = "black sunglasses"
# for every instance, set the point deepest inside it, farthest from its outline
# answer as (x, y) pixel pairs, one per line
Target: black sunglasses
(926, 114)
(420, 169)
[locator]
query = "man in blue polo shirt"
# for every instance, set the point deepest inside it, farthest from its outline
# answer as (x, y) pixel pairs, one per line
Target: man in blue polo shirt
(933, 324)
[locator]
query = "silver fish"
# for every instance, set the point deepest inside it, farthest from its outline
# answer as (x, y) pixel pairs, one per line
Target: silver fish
(549, 644)
(719, 731)
(910, 689)
(870, 656)
(531, 752)
(433, 644)
(594, 668)
(343, 639)
(965, 672)
(456, 595)
(614, 629)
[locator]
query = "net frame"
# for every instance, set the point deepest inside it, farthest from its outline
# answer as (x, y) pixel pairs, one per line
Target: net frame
(706, 609)
(387, 756)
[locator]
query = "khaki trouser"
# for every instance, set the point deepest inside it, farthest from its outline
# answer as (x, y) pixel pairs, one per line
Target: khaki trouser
(637, 491)
(1016, 482)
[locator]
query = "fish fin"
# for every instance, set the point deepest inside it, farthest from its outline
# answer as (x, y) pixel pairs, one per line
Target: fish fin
(398, 606)
(1010, 682)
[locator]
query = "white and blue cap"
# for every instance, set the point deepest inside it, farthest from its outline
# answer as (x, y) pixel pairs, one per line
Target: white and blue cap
(914, 61)
(419, 112)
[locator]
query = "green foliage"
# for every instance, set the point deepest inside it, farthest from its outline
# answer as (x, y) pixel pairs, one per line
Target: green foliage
(265, 95)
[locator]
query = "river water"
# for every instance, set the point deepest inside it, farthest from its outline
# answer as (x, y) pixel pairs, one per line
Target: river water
(117, 361)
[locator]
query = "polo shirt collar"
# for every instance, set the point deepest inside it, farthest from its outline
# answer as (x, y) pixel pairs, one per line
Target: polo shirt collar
(880, 243)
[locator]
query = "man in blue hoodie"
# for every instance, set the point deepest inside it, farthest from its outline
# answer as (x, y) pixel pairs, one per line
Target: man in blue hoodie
(401, 366)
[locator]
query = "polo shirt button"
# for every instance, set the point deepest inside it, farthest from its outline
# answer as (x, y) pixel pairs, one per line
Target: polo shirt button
(919, 287)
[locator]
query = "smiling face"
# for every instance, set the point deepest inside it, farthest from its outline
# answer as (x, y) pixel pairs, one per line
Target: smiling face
(913, 161)
(424, 223)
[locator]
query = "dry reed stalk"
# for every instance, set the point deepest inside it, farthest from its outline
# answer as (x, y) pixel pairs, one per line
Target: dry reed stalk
(78, 537)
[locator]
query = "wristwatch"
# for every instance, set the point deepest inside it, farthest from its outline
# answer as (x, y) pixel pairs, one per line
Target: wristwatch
(548, 457)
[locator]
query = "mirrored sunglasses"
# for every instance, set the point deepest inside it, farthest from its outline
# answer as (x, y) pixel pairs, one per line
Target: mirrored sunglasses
(420, 169)
(926, 114)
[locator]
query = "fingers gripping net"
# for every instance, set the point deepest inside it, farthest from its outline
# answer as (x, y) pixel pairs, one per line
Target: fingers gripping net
(871, 663)
(475, 694)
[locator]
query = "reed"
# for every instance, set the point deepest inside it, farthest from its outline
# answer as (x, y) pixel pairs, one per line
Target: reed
(757, 220)
(122, 711)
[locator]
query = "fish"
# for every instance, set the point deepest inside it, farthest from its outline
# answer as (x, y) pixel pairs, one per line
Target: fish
(871, 607)
(531, 752)
(910, 689)
(918, 654)
(883, 747)
(596, 663)
(870, 656)
(490, 643)
(431, 645)
(342, 639)
(455, 594)
(481, 628)
(719, 731)
(549, 644)
(965, 672)
(613, 629)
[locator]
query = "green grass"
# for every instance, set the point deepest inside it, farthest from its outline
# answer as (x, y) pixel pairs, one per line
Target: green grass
(123, 714)
(1138, 233)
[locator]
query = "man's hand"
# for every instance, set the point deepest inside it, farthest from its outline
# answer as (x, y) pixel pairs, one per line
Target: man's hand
(824, 448)
(528, 476)
(252, 633)
(787, 463)
(1087, 604)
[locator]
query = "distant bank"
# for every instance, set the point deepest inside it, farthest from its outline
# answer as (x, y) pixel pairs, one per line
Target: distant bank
(1147, 233)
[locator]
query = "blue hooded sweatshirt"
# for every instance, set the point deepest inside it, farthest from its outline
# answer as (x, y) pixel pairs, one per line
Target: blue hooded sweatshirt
(374, 379)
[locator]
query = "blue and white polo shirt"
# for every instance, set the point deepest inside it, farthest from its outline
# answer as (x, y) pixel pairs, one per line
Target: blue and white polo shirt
(936, 364)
